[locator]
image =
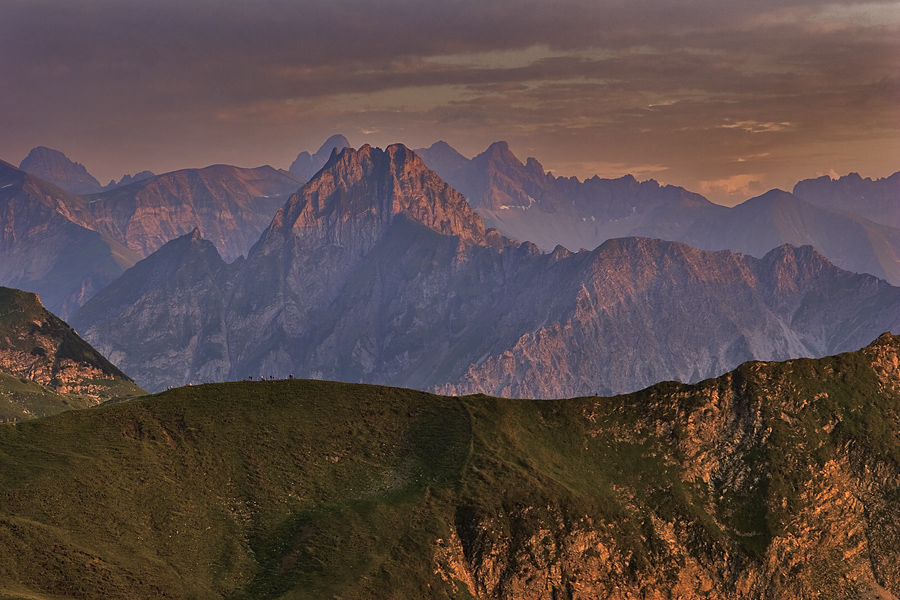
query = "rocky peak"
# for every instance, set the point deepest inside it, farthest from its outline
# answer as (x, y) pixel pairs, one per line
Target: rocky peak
(502, 181)
(55, 167)
(129, 179)
(356, 195)
(499, 151)
(499, 159)
(534, 166)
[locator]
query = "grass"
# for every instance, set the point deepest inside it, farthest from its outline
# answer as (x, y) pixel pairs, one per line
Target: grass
(309, 489)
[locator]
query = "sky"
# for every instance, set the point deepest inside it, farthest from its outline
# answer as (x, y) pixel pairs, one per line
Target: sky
(726, 98)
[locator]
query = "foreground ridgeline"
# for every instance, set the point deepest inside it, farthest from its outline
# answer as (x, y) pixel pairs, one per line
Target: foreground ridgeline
(45, 368)
(777, 480)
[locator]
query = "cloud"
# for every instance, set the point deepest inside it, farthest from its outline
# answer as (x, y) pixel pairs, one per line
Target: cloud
(753, 157)
(608, 170)
(757, 127)
(646, 82)
(744, 185)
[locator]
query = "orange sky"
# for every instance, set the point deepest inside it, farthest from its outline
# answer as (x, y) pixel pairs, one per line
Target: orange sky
(728, 99)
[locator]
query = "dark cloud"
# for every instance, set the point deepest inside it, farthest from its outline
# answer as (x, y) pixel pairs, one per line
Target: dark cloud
(691, 86)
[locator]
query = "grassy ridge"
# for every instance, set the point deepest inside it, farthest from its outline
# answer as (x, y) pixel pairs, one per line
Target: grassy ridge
(210, 489)
(307, 489)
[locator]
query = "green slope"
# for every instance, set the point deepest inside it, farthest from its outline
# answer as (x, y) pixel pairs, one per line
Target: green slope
(302, 489)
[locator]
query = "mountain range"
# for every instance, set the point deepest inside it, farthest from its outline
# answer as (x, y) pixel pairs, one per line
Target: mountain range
(877, 200)
(776, 480)
(66, 247)
(55, 167)
(48, 246)
(759, 481)
(851, 221)
(377, 271)
(231, 205)
(525, 203)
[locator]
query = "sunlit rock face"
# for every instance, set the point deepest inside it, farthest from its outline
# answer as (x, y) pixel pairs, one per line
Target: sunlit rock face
(38, 347)
(231, 206)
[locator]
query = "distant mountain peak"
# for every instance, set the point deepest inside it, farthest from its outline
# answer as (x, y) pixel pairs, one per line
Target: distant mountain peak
(442, 146)
(336, 142)
(877, 200)
(534, 166)
(498, 151)
(306, 165)
(127, 179)
(358, 192)
(54, 166)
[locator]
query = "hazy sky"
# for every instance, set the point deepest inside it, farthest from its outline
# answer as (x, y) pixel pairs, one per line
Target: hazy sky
(727, 98)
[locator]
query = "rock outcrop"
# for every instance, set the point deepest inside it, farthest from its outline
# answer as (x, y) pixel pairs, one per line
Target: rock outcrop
(126, 179)
(37, 347)
(784, 486)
